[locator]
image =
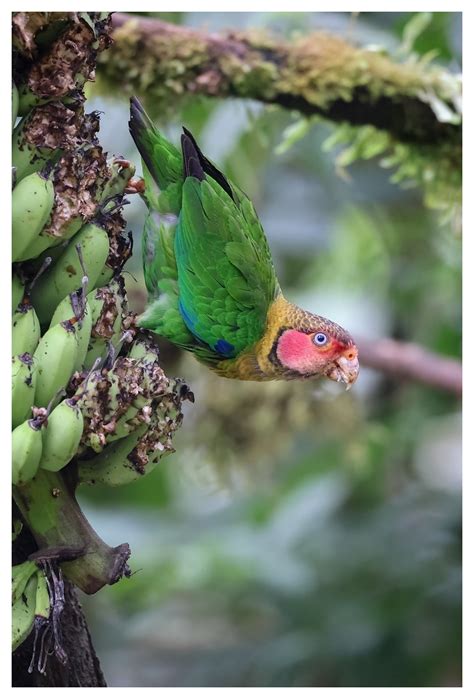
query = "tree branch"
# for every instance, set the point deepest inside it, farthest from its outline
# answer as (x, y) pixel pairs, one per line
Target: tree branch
(410, 361)
(316, 74)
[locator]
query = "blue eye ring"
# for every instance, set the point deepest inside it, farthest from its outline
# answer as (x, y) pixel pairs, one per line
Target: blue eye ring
(320, 339)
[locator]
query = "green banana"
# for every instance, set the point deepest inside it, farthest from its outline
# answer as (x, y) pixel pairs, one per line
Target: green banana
(23, 613)
(61, 435)
(53, 252)
(32, 203)
(55, 359)
(98, 402)
(108, 304)
(18, 290)
(23, 387)
(49, 241)
(42, 601)
(26, 331)
(15, 104)
(139, 410)
(65, 275)
(27, 444)
(21, 573)
(27, 100)
(112, 466)
(70, 307)
(130, 420)
(17, 526)
(26, 157)
(66, 309)
(144, 349)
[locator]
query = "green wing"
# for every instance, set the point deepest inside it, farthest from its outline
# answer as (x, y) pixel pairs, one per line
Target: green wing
(226, 278)
(162, 314)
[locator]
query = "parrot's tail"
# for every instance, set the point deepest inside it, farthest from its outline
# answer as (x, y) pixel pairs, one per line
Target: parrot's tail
(161, 158)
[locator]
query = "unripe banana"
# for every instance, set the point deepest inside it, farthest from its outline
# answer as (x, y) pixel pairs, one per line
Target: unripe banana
(27, 100)
(144, 348)
(15, 104)
(84, 328)
(66, 310)
(23, 613)
(21, 573)
(56, 247)
(112, 466)
(18, 291)
(42, 601)
(49, 241)
(23, 387)
(26, 451)
(32, 203)
(27, 158)
(17, 526)
(25, 329)
(128, 422)
(55, 359)
(98, 402)
(61, 435)
(65, 275)
(107, 307)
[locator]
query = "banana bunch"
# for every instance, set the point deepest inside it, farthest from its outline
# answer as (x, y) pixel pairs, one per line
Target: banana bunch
(30, 600)
(131, 412)
(90, 402)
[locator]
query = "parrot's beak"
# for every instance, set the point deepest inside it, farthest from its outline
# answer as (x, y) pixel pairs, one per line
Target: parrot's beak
(345, 368)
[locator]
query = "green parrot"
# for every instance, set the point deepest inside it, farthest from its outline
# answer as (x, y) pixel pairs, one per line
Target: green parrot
(210, 277)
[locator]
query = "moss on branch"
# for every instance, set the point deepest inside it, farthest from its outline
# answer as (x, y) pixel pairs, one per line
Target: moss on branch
(408, 114)
(316, 74)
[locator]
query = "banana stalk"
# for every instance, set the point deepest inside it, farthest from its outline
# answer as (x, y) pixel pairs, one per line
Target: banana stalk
(49, 507)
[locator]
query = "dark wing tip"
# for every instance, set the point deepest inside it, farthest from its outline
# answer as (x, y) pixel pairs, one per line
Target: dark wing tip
(205, 165)
(136, 121)
(191, 159)
(139, 119)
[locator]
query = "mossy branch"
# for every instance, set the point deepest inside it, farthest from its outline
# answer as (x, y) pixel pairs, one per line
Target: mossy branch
(315, 74)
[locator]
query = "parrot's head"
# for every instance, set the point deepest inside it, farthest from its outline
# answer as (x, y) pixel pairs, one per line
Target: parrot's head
(312, 346)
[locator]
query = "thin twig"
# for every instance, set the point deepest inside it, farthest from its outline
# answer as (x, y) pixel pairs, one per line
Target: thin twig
(409, 361)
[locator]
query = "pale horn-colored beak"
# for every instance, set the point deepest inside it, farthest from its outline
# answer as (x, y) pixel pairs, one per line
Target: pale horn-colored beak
(345, 368)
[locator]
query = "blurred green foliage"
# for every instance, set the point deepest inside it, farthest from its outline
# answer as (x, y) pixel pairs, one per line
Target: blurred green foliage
(300, 536)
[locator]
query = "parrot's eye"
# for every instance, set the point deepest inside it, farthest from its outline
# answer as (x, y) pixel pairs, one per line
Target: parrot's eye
(320, 339)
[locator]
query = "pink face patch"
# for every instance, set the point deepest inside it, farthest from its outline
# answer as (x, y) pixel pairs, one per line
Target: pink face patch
(296, 351)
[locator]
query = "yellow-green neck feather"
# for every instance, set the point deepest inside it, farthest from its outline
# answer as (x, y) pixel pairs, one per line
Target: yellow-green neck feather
(255, 364)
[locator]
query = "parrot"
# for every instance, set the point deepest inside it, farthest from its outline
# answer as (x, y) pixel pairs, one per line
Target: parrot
(208, 269)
